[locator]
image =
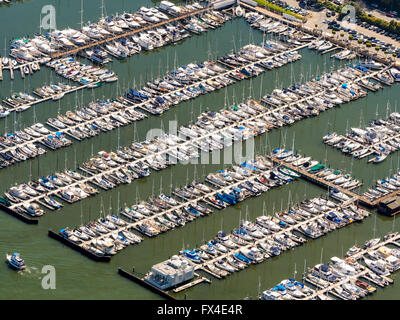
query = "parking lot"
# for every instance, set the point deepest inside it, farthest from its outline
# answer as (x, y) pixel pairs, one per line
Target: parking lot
(326, 21)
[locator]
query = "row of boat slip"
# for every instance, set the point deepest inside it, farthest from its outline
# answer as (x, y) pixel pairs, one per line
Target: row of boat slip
(327, 91)
(344, 274)
(96, 117)
(321, 45)
(22, 101)
(315, 169)
(268, 236)
(107, 28)
(212, 130)
(68, 185)
(238, 125)
(27, 68)
(190, 81)
(183, 84)
(74, 70)
(383, 188)
(22, 145)
(134, 162)
(155, 38)
(258, 57)
(164, 212)
(342, 277)
(289, 289)
(380, 138)
(268, 25)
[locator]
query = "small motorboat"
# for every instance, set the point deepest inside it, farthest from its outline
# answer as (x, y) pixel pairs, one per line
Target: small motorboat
(15, 261)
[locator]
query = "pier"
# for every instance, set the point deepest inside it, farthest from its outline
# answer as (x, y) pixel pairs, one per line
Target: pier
(180, 205)
(130, 33)
(362, 274)
(192, 283)
(290, 229)
(315, 179)
(95, 257)
(130, 105)
(23, 107)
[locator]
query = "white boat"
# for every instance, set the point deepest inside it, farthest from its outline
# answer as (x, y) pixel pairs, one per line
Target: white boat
(15, 261)
(239, 12)
(58, 96)
(395, 73)
(378, 266)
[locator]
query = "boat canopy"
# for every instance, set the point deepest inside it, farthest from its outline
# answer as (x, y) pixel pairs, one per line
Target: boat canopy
(324, 268)
(318, 167)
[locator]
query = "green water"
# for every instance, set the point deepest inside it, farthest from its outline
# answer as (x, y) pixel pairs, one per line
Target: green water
(79, 277)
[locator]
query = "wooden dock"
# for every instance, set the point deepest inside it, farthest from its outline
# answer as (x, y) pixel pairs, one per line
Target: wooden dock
(315, 179)
(192, 284)
(331, 49)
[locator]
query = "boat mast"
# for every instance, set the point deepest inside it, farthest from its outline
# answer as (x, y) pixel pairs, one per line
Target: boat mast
(394, 222)
(110, 208)
(322, 250)
(374, 229)
(81, 215)
(118, 201)
(81, 14)
(102, 9)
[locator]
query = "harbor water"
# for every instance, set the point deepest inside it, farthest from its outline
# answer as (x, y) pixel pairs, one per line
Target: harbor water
(78, 277)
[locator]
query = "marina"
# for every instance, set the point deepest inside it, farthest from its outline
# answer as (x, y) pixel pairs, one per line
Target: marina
(254, 242)
(379, 139)
(186, 204)
(171, 191)
(250, 120)
(70, 41)
(344, 278)
(309, 103)
(155, 100)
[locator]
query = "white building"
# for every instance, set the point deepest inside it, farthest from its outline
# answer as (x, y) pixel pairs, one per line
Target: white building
(170, 273)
